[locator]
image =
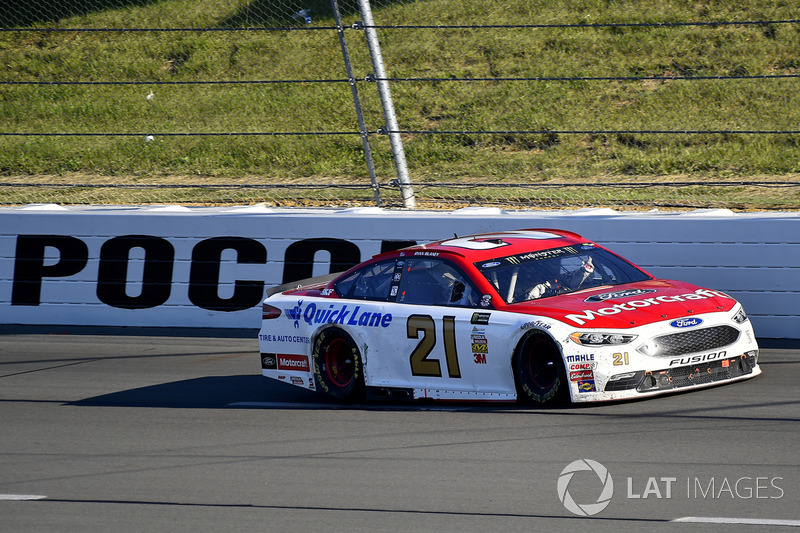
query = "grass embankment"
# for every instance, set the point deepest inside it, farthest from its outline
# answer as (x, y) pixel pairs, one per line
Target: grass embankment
(653, 96)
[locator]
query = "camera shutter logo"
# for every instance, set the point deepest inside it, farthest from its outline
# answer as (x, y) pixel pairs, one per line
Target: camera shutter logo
(585, 509)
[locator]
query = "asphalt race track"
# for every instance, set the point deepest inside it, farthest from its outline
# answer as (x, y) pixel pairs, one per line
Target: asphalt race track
(148, 433)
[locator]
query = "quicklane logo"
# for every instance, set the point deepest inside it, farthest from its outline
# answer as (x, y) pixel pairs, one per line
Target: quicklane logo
(585, 509)
(335, 314)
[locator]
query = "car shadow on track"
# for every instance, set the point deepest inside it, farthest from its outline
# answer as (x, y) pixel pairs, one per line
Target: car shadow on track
(255, 392)
(207, 392)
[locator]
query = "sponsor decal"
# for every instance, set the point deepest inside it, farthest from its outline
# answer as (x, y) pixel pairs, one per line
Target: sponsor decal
(535, 324)
(490, 264)
(337, 314)
(397, 276)
(580, 358)
(486, 300)
(581, 375)
(480, 344)
(618, 295)
(299, 339)
(297, 381)
(697, 358)
(393, 291)
(295, 313)
(686, 322)
(538, 256)
(582, 366)
(586, 386)
(588, 314)
(269, 361)
(293, 362)
(326, 292)
(480, 318)
(427, 254)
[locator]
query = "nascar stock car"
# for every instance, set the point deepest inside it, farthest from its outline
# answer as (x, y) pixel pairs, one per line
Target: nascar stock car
(540, 315)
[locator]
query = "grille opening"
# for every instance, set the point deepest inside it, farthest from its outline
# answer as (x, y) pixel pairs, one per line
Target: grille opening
(686, 342)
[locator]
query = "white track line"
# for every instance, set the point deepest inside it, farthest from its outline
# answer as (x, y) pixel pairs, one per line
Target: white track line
(21, 497)
(748, 521)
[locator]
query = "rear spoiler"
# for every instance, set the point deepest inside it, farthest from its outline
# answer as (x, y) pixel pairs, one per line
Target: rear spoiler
(301, 283)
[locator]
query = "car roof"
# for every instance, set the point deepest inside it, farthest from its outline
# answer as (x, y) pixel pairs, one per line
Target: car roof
(499, 244)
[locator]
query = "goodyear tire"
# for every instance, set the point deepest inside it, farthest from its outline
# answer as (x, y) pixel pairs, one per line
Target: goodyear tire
(539, 371)
(337, 365)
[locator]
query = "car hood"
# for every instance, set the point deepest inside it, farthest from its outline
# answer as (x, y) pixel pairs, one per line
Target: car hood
(629, 305)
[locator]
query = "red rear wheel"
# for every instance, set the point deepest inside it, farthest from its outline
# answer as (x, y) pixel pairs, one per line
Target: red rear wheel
(337, 365)
(339, 362)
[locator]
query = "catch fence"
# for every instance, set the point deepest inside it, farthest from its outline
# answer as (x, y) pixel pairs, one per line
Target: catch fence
(400, 104)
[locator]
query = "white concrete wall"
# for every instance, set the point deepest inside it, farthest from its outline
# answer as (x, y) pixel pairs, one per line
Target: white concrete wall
(753, 256)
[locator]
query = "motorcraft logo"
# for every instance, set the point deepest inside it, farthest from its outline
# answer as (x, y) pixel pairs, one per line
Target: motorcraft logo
(632, 305)
(293, 362)
(618, 295)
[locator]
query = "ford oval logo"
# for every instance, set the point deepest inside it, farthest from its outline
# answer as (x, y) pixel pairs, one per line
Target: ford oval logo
(490, 265)
(686, 322)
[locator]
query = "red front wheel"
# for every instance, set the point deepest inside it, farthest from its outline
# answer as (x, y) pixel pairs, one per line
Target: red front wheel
(539, 371)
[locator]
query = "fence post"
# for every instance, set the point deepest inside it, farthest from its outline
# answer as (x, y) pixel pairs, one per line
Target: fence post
(362, 127)
(398, 153)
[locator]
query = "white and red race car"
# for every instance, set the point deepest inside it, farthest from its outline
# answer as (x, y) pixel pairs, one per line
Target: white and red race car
(537, 315)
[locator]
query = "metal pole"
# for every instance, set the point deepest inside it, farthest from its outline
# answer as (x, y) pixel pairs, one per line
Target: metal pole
(362, 127)
(398, 153)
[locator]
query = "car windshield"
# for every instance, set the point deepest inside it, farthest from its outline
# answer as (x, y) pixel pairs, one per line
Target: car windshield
(535, 275)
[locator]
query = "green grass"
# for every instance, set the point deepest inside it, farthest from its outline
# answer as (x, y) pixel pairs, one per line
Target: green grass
(485, 116)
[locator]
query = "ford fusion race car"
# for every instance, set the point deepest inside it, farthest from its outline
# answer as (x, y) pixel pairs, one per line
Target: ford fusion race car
(542, 316)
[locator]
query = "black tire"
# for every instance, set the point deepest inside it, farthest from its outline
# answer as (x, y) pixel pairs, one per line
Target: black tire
(539, 371)
(337, 365)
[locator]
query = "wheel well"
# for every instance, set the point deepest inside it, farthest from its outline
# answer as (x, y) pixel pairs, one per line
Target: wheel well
(535, 333)
(544, 335)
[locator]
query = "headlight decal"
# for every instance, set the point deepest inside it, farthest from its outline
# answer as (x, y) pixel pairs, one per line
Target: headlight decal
(601, 339)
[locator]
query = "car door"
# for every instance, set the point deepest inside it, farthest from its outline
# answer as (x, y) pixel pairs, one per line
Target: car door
(440, 338)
